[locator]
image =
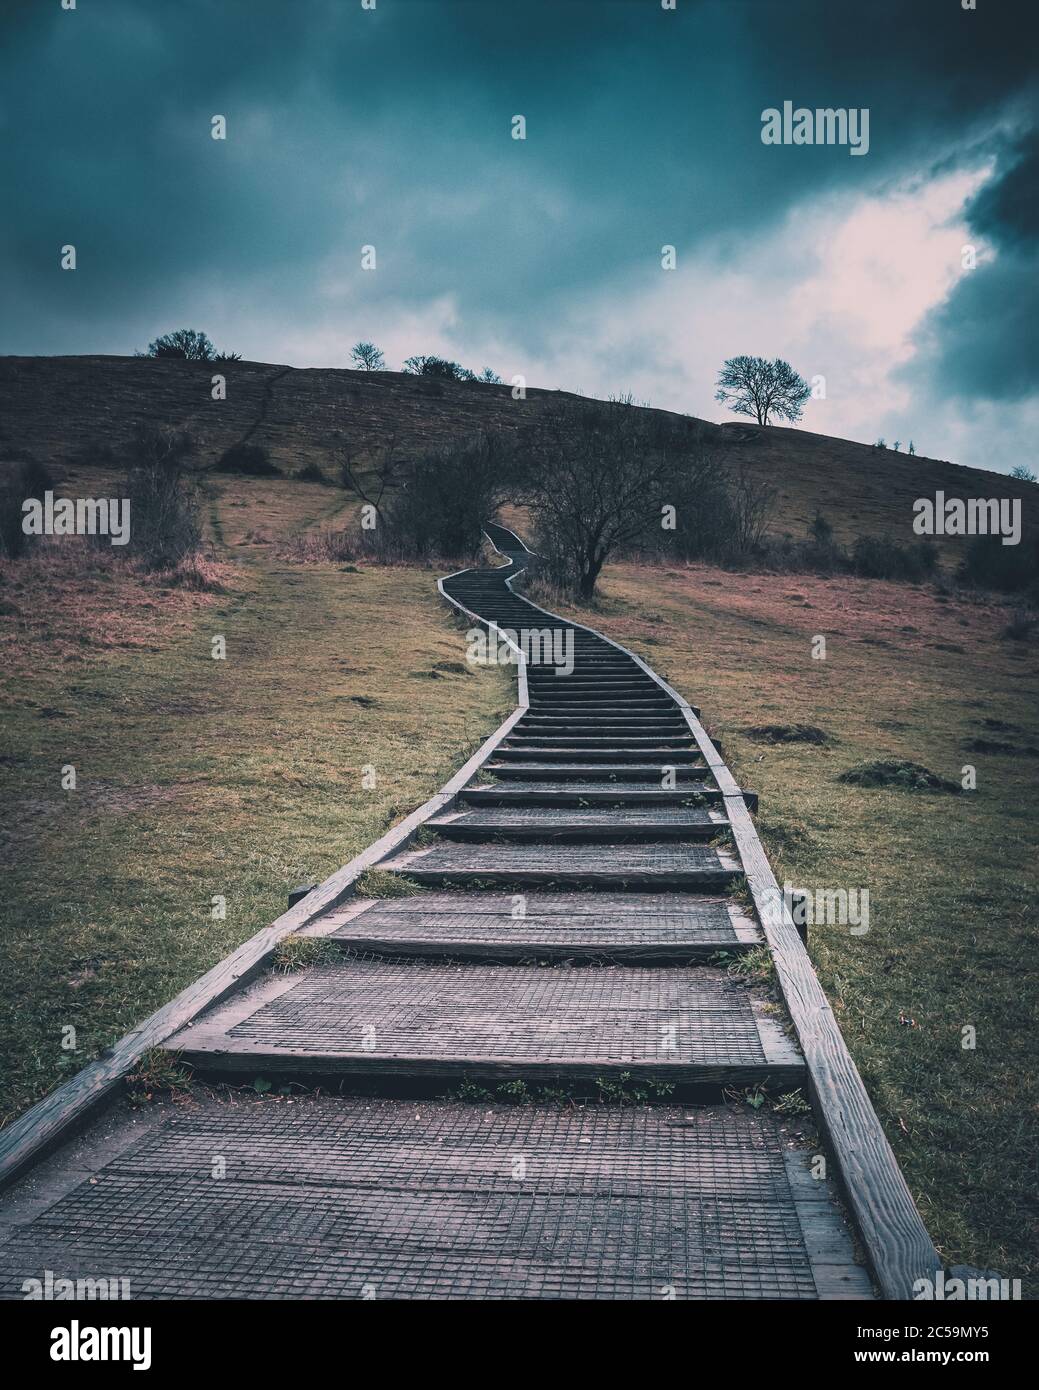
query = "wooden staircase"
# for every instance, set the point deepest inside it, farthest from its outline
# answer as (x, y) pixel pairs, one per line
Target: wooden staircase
(562, 932)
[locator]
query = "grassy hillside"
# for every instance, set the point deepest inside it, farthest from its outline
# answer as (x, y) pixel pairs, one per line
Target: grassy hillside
(59, 408)
(197, 777)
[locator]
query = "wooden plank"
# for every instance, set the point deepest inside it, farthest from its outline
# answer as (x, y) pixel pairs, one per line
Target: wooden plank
(448, 1218)
(429, 1018)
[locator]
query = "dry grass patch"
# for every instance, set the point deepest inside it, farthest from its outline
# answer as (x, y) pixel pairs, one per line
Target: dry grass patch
(207, 788)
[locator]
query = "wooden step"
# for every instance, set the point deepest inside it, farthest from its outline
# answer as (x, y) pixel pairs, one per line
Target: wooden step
(424, 1020)
(589, 709)
(594, 771)
(560, 679)
(652, 865)
(571, 825)
(642, 742)
(554, 793)
(595, 696)
(509, 752)
(339, 1198)
(658, 927)
(593, 724)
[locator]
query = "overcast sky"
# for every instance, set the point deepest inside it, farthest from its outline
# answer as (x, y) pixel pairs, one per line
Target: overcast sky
(349, 127)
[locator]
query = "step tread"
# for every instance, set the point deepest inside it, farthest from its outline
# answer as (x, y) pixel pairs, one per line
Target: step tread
(604, 769)
(337, 1198)
(507, 752)
(555, 818)
(665, 861)
(573, 858)
(621, 924)
(442, 1018)
(600, 789)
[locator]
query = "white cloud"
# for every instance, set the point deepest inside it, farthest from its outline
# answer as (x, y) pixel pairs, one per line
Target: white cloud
(839, 288)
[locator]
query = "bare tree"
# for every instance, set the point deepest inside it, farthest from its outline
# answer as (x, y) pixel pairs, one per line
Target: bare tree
(752, 501)
(433, 504)
(368, 357)
(756, 387)
(598, 478)
(372, 483)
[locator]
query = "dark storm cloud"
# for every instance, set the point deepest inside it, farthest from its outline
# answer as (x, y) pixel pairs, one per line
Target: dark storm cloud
(1007, 209)
(392, 127)
(983, 341)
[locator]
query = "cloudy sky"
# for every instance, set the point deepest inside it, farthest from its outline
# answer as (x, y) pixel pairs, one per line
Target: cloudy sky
(392, 127)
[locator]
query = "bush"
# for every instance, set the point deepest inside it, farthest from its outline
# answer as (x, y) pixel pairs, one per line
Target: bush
(713, 520)
(820, 530)
(253, 460)
(1009, 568)
(1020, 627)
(164, 514)
(433, 506)
(185, 343)
(19, 479)
(310, 473)
(875, 558)
(604, 479)
(446, 498)
(438, 367)
(162, 444)
(188, 345)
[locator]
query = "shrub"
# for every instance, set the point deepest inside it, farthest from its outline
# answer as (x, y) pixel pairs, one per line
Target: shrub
(1020, 627)
(310, 473)
(876, 558)
(164, 514)
(432, 506)
(820, 530)
(604, 479)
(161, 444)
(1009, 568)
(446, 498)
(437, 367)
(252, 460)
(188, 345)
(185, 343)
(19, 479)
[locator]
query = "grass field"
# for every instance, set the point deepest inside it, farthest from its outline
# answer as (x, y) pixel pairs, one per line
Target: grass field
(198, 777)
(908, 674)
